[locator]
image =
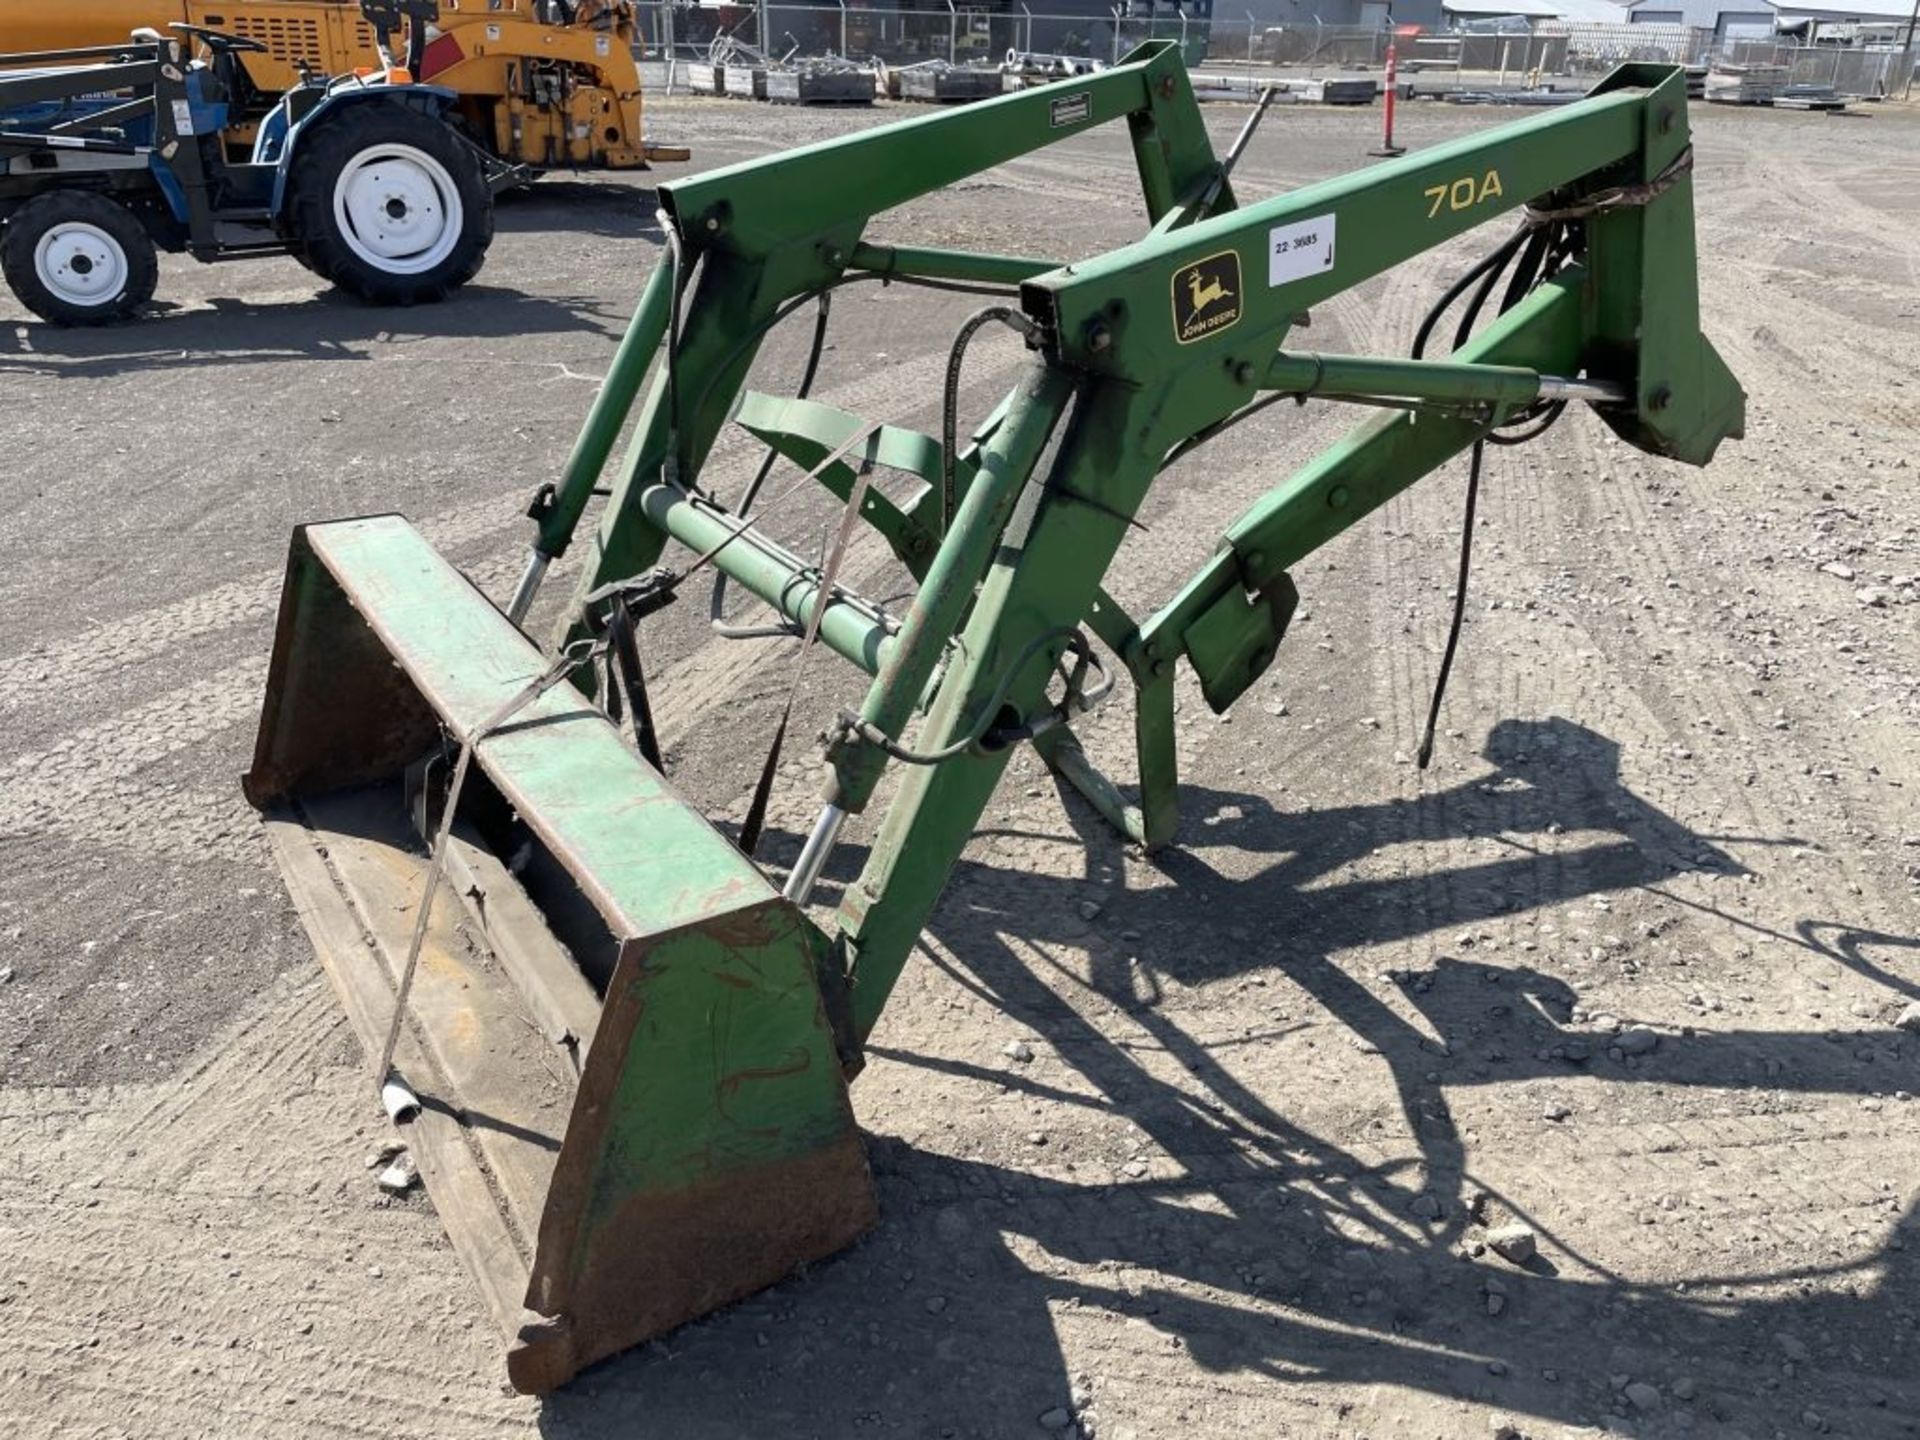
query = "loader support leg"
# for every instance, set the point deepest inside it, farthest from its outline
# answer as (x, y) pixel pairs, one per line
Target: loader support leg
(1152, 822)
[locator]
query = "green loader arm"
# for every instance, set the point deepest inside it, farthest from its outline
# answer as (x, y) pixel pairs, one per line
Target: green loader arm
(707, 1145)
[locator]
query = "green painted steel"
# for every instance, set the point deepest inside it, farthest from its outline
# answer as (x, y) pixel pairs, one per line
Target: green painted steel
(710, 1147)
(1045, 573)
(947, 591)
(1378, 218)
(1364, 470)
(764, 233)
(946, 264)
(756, 207)
(1139, 356)
(808, 433)
(1349, 376)
(1144, 351)
(611, 408)
(561, 764)
(855, 629)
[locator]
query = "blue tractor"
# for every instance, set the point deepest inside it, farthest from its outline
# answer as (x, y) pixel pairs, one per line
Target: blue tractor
(111, 154)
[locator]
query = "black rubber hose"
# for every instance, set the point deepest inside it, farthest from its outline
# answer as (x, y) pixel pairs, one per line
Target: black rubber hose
(787, 308)
(1546, 415)
(1526, 274)
(1463, 331)
(1540, 256)
(1459, 606)
(950, 398)
(1495, 258)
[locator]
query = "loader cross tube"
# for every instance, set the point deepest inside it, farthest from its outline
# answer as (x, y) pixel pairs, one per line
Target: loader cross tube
(711, 1118)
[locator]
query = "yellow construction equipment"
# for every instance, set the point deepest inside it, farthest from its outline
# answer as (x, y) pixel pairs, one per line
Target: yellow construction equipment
(549, 84)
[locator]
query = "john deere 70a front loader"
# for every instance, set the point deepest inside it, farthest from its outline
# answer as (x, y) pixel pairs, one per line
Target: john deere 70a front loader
(630, 1044)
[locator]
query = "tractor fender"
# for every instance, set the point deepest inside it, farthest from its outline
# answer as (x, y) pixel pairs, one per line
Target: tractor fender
(431, 100)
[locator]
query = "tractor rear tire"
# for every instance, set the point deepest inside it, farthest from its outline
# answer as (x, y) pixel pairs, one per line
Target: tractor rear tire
(389, 204)
(77, 258)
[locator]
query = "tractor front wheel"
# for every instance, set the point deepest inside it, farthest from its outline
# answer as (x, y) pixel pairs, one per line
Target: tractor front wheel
(389, 204)
(77, 258)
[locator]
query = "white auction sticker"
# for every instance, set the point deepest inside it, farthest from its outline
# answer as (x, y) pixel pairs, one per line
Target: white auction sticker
(182, 117)
(1301, 249)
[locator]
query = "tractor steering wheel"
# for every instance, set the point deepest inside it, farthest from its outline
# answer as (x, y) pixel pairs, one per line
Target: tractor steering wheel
(218, 41)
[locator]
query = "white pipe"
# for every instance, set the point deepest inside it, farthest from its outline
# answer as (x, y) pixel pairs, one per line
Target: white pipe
(399, 1101)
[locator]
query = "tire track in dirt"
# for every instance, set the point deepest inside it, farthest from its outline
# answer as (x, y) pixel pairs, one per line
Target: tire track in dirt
(87, 786)
(94, 784)
(50, 672)
(1080, 178)
(1673, 539)
(53, 669)
(274, 1050)
(91, 785)
(196, 1288)
(1643, 543)
(1888, 237)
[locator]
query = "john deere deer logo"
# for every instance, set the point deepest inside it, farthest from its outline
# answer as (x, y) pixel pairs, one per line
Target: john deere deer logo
(1206, 296)
(1204, 293)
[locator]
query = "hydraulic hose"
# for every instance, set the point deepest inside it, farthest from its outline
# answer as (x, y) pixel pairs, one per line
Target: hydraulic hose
(950, 398)
(1541, 247)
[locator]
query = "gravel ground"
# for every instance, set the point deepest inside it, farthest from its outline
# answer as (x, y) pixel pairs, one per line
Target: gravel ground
(1624, 968)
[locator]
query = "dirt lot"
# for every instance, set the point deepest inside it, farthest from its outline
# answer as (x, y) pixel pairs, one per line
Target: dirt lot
(1282, 1079)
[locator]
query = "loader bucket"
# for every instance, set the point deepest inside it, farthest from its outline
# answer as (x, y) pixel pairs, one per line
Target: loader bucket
(633, 1110)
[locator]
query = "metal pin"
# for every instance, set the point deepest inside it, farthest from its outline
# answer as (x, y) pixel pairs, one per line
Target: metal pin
(1600, 392)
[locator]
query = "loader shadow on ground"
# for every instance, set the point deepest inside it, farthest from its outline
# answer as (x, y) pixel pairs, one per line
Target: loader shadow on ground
(1264, 1214)
(327, 326)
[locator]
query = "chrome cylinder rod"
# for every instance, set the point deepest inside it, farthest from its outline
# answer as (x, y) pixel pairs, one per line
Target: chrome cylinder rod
(1599, 392)
(528, 587)
(813, 855)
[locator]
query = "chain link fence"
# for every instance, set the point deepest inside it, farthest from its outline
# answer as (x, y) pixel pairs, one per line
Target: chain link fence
(1865, 71)
(951, 31)
(1593, 49)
